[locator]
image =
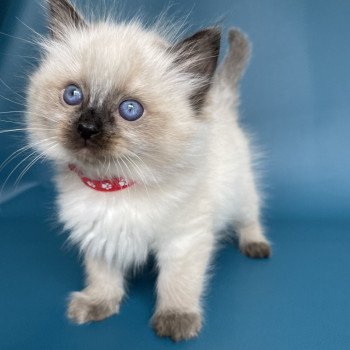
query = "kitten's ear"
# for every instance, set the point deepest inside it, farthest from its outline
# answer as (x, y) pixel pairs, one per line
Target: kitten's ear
(62, 16)
(198, 55)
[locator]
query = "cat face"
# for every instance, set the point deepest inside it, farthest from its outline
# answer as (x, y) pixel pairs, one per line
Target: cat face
(107, 93)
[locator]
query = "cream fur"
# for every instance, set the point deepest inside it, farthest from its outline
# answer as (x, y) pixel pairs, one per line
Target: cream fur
(193, 180)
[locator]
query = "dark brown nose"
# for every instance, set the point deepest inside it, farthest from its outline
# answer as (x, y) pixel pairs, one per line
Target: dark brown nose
(86, 130)
(89, 124)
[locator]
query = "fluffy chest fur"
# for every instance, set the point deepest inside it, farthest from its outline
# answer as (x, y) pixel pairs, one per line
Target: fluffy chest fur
(121, 227)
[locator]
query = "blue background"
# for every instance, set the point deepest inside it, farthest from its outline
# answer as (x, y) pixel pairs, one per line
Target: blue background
(295, 101)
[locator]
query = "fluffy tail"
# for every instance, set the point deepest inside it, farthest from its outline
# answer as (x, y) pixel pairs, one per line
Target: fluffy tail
(237, 57)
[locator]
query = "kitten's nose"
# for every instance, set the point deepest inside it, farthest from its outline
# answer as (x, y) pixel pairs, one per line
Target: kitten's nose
(86, 130)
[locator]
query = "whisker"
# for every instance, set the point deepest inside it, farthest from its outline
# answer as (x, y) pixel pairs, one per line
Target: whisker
(8, 99)
(16, 112)
(148, 169)
(31, 164)
(23, 149)
(16, 167)
(38, 114)
(20, 112)
(108, 166)
(20, 56)
(103, 165)
(138, 171)
(24, 129)
(31, 29)
(13, 156)
(124, 176)
(16, 37)
(98, 170)
(8, 87)
(12, 121)
(143, 163)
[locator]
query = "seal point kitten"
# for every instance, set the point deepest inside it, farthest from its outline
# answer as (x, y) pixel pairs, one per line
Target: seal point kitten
(150, 158)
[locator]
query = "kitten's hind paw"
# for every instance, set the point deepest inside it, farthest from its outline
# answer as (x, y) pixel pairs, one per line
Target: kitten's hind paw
(85, 308)
(256, 250)
(177, 325)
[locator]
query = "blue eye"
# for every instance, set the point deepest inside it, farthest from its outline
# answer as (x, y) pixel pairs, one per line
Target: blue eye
(131, 110)
(73, 95)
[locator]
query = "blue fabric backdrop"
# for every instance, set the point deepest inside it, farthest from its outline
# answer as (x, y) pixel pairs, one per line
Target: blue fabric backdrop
(295, 101)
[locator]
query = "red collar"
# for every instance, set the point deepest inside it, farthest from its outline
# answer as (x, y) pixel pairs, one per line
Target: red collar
(112, 185)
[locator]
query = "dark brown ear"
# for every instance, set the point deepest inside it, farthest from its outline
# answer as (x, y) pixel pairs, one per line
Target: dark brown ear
(198, 55)
(63, 16)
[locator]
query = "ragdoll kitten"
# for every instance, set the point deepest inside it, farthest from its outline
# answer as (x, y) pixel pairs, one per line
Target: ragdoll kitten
(149, 155)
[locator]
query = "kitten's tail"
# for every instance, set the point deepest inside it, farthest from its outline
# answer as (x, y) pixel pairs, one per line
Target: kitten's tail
(225, 92)
(237, 57)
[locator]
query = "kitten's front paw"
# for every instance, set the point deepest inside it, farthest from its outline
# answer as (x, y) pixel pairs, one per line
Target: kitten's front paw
(84, 308)
(256, 250)
(177, 325)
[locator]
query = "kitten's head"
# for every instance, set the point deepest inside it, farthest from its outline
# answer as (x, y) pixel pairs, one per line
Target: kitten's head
(112, 95)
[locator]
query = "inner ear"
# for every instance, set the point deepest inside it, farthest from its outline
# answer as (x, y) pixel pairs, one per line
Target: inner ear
(63, 16)
(198, 55)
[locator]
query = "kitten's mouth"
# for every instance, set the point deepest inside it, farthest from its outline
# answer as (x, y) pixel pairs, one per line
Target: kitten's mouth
(88, 145)
(86, 151)
(89, 154)
(90, 149)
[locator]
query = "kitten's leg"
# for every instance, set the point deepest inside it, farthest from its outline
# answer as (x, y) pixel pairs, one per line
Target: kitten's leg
(252, 241)
(182, 266)
(101, 296)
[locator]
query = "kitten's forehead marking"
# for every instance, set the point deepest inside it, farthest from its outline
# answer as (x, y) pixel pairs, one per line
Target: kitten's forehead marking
(101, 94)
(98, 98)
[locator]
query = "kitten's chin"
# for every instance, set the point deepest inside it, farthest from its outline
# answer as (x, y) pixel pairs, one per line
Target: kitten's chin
(87, 156)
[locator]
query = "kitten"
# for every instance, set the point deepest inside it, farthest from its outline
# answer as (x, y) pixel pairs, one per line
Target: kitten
(144, 134)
